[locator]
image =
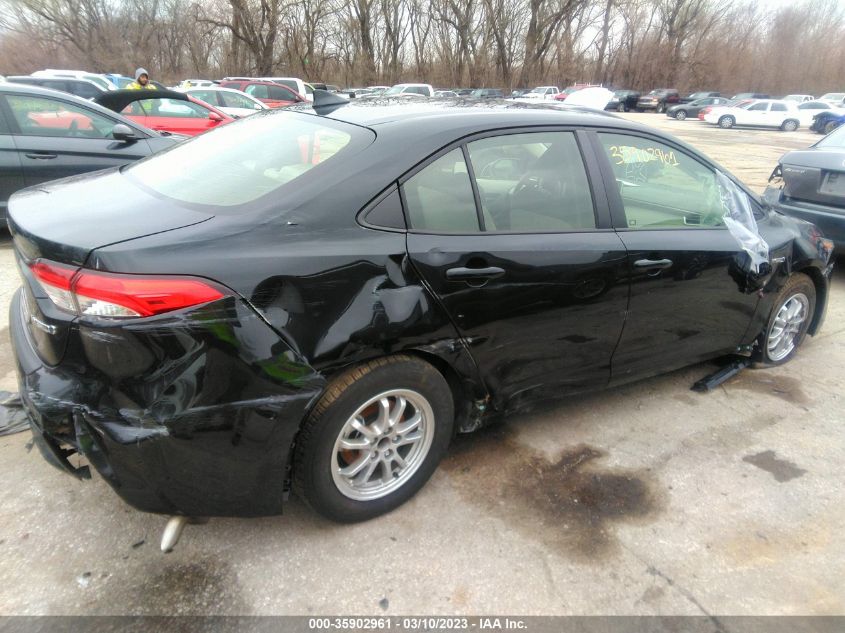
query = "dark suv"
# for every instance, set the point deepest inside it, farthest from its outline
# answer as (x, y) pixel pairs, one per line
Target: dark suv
(659, 100)
(79, 87)
(486, 93)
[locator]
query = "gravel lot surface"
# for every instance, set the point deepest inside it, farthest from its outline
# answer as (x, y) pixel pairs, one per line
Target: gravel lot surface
(649, 499)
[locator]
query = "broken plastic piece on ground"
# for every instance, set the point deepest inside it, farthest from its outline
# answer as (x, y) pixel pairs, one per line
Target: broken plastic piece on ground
(711, 381)
(13, 417)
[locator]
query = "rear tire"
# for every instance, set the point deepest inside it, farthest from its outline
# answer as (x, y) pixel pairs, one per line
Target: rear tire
(680, 115)
(373, 439)
(789, 126)
(726, 122)
(786, 329)
(830, 126)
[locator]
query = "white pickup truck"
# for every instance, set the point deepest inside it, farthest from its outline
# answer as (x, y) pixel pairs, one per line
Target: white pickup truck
(422, 90)
(542, 92)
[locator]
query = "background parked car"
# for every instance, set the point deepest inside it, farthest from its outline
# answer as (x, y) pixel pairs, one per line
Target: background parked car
(165, 110)
(810, 184)
(295, 84)
(799, 98)
(570, 90)
(685, 110)
(487, 93)
(742, 96)
(833, 98)
(45, 134)
(623, 101)
(827, 121)
(463, 92)
(273, 94)
(542, 92)
(808, 110)
(80, 87)
(695, 96)
(758, 113)
(420, 90)
(445, 94)
(659, 100)
(101, 80)
(235, 103)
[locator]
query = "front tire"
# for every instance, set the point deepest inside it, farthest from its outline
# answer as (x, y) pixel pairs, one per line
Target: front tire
(726, 122)
(661, 108)
(680, 115)
(830, 126)
(373, 439)
(791, 315)
(621, 108)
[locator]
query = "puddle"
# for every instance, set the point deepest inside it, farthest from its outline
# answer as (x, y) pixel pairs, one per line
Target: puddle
(571, 503)
(202, 587)
(761, 381)
(781, 469)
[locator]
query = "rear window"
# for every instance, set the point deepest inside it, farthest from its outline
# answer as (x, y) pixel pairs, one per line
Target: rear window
(246, 160)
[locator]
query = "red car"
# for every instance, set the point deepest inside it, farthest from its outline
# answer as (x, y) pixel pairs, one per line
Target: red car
(561, 96)
(165, 110)
(274, 95)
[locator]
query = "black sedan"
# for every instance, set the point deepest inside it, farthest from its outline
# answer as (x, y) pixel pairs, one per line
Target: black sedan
(317, 300)
(46, 134)
(686, 110)
(623, 101)
(810, 184)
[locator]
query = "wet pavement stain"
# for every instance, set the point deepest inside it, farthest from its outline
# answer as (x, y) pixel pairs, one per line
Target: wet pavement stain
(569, 503)
(197, 587)
(760, 381)
(781, 469)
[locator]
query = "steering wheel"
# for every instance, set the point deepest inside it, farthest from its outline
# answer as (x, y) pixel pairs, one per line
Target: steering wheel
(538, 186)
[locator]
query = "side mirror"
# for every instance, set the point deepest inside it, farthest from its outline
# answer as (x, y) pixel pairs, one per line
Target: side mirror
(122, 132)
(213, 116)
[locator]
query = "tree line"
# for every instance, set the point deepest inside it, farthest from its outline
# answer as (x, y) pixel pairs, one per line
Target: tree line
(727, 45)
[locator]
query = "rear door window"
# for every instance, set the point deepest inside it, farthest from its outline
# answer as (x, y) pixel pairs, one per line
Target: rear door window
(532, 183)
(280, 93)
(258, 91)
(42, 116)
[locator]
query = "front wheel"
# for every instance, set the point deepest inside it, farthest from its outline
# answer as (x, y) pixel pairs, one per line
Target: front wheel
(374, 439)
(830, 126)
(726, 122)
(789, 126)
(681, 115)
(791, 315)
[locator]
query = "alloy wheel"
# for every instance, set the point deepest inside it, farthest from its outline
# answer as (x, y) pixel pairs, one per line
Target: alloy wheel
(382, 444)
(786, 328)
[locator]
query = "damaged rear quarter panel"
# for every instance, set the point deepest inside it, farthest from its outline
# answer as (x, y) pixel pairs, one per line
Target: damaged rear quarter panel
(191, 412)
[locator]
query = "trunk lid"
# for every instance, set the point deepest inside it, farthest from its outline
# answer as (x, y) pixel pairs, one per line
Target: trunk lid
(61, 222)
(815, 175)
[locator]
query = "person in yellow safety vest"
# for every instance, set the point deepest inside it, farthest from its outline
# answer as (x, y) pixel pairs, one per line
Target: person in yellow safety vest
(142, 81)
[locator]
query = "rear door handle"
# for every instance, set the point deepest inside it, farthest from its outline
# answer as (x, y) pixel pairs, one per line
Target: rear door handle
(474, 274)
(659, 264)
(41, 155)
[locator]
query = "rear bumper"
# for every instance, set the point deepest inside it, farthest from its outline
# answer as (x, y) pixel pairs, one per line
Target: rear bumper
(202, 427)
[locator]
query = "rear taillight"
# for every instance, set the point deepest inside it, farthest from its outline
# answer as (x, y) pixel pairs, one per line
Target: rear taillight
(93, 293)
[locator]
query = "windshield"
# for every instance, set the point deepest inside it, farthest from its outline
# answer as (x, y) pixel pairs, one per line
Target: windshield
(700, 102)
(395, 90)
(656, 92)
(246, 160)
(835, 96)
(835, 139)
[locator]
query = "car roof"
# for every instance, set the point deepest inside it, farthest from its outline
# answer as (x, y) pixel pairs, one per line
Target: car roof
(449, 114)
(84, 80)
(116, 100)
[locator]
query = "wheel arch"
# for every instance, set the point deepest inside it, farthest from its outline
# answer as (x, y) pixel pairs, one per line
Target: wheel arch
(822, 293)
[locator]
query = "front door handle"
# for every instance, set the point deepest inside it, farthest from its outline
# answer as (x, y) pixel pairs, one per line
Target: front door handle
(653, 264)
(474, 274)
(41, 155)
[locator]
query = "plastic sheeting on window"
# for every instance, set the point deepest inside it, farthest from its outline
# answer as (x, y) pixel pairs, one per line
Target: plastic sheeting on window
(739, 218)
